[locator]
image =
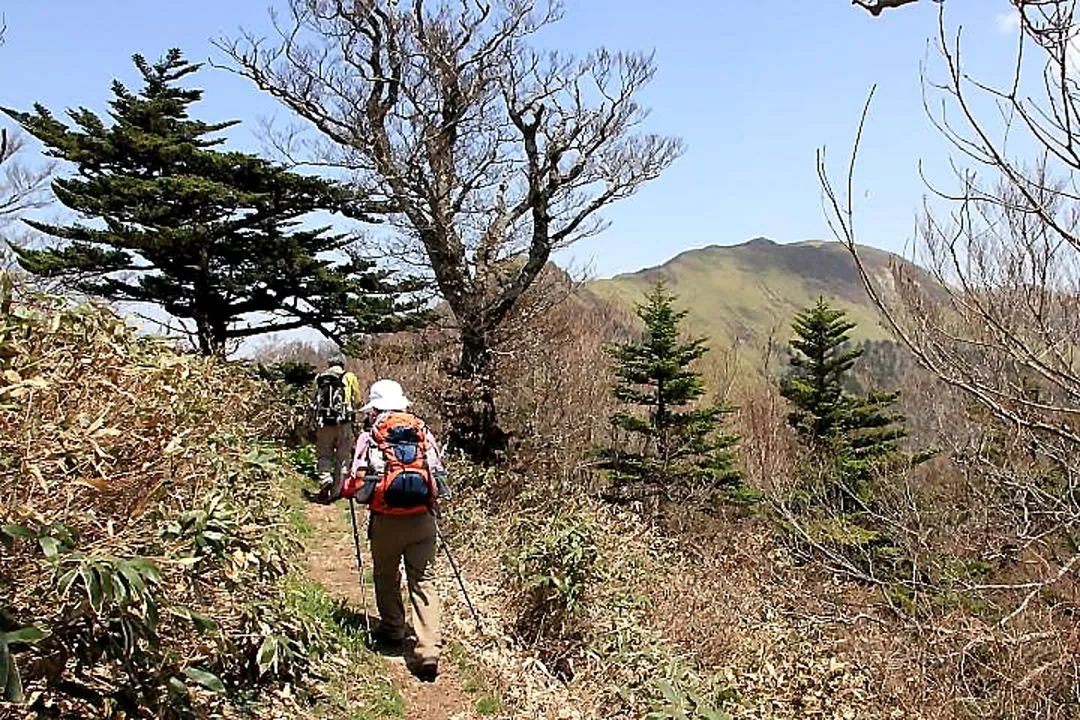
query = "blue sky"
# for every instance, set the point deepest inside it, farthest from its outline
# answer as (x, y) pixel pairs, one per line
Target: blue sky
(752, 86)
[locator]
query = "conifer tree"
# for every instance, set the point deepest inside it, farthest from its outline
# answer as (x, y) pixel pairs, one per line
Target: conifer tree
(857, 435)
(210, 236)
(675, 446)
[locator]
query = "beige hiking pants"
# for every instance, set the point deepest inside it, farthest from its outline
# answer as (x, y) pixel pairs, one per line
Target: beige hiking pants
(334, 444)
(411, 538)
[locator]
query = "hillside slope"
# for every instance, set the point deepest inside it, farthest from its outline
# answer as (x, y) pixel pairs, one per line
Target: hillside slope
(741, 295)
(150, 537)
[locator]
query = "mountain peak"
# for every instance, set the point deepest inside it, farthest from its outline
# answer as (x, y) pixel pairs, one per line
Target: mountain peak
(760, 241)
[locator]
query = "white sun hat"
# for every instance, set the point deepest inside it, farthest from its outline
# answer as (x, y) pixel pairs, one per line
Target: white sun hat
(386, 395)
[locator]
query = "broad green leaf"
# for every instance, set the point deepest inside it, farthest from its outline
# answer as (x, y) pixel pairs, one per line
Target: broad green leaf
(121, 592)
(85, 575)
(106, 576)
(7, 666)
(267, 656)
(146, 568)
(28, 635)
(49, 546)
(208, 680)
(16, 531)
(65, 534)
(177, 686)
(93, 588)
(201, 622)
(13, 690)
(132, 575)
(151, 612)
(66, 581)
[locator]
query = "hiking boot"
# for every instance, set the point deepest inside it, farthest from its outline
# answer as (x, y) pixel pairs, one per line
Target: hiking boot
(322, 497)
(427, 672)
(387, 641)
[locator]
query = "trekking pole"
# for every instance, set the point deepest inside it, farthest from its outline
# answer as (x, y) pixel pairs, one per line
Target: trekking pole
(359, 565)
(460, 582)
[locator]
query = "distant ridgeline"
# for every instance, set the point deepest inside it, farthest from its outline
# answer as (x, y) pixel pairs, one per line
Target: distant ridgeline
(744, 297)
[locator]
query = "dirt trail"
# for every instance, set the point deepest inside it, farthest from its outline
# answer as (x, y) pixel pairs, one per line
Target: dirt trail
(332, 563)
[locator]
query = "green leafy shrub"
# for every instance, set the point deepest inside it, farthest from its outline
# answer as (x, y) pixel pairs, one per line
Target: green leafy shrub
(552, 567)
(556, 563)
(292, 384)
(304, 460)
(678, 704)
(146, 536)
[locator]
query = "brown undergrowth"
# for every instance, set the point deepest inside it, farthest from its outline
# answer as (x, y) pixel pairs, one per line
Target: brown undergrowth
(149, 558)
(955, 597)
(758, 611)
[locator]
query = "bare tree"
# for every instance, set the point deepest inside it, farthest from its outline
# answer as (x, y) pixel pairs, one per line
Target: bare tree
(490, 154)
(1008, 255)
(22, 188)
(1001, 324)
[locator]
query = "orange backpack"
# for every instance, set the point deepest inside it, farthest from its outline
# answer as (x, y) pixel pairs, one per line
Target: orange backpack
(407, 486)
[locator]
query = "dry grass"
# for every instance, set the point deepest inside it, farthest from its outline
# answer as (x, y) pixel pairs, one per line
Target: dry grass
(964, 622)
(718, 604)
(96, 420)
(147, 535)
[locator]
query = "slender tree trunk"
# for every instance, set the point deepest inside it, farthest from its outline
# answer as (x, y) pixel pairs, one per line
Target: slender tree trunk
(212, 334)
(661, 420)
(205, 336)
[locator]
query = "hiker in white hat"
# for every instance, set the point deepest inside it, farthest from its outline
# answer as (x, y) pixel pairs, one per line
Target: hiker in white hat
(386, 395)
(398, 471)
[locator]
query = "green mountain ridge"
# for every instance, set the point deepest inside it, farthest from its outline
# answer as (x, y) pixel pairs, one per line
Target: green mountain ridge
(743, 296)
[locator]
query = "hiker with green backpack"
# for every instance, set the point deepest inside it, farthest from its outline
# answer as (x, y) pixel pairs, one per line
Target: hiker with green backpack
(337, 394)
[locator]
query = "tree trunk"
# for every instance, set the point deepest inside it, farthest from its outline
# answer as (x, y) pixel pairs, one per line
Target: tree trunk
(206, 337)
(212, 334)
(661, 422)
(474, 426)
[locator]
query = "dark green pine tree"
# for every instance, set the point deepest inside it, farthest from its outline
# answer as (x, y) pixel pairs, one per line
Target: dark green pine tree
(674, 448)
(857, 435)
(212, 237)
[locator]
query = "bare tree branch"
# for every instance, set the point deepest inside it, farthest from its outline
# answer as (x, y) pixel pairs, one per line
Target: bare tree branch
(22, 188)
(996, 314)
(876, 7)
(490, 155)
